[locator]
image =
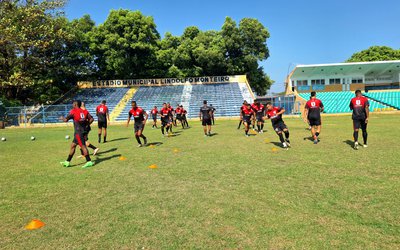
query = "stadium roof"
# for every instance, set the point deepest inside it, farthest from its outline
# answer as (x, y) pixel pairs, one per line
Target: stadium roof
(364, 68)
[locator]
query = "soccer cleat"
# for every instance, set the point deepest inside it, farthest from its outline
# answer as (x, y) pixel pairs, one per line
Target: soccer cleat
(140, 145)
(315, 141)
(365, 146)
(88, 164)
(284, 145)
(65, 164)
(355, 145)
(95, 151)
(288, 142)
(247, 135)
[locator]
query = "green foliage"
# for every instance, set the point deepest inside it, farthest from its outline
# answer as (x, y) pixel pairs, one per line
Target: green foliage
(43, 54)
(375, 53)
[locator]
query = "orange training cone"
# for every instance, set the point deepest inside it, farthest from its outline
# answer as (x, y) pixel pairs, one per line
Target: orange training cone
(274, 150)
(34, 224)
(122, 158)
(153, 166)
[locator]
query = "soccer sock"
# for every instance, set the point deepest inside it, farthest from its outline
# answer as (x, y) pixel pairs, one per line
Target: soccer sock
(259, 127)
(262, 126)
(316, 134)
(281, 138)
(99, 138)
(87, 158)
(91, 146)
(142, 135)
(355, 135)
(162, 129)
(138, 139)
(287, 134)
(105, 138)
(240, 124)
(246, 132)
(365, 135)
(70, 157)
(168, 129)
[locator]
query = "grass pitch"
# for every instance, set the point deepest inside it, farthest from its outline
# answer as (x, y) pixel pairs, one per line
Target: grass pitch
(226, 191)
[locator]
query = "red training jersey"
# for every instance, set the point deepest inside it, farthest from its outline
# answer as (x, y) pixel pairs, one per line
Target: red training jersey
(358, 105)
(272, 114)
(314, 107)
(102, 111)
(137, 113)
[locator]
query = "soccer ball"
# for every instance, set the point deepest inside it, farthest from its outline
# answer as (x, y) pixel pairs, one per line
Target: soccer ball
(3, 139)
(32, 138)
(67, 137)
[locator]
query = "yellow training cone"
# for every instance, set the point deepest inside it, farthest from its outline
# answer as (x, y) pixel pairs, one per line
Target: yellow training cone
(122, 158)
(274, 150)
(34, 224)
(176, 150)
(153, 166)
(152, 146)
(266, 140)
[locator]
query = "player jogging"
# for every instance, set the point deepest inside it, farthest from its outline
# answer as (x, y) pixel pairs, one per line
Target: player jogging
(205, 118)
(178, 112)
(247, 117)
(275, 114)
(171, 116)
(360, 107)
(312, 112)
(184, 118)
(154, 113)
(80, 119)
(87, 130)
(165, 114)
(102, 118)
(259, 110)
(140, 117)
(241, 110)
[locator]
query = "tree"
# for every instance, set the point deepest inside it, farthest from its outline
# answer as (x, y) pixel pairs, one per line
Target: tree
(375, 53)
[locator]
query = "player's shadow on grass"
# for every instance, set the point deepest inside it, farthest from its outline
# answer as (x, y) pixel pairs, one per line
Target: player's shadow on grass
(118, 139)
(99, 160)
(308, 138)
(349, 142)
(175, 134)
(213, 134)
(156, 144)
(107, 151)
(278, 144)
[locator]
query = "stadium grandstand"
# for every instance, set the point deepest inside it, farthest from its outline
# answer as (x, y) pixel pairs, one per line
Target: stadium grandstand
(335, 84)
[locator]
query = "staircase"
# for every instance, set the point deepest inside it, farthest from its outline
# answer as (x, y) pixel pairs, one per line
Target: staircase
(186, 96)
(121, 105)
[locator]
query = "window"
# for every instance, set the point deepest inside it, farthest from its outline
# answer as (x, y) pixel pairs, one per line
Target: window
(318, 82)
(301, 82)
(356, 80)
(334, 81)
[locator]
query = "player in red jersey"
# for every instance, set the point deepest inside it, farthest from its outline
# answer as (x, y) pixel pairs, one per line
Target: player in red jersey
(154, 113)
(179, 113)
(275, 114)
(140, 117)
(241, 115)
(360, 107)
(184, 118)
(86, 132)
(81, 119)
(312, 112)
(259, 110)
(247, 117)
(102, 113)
(166, 122)
(171, 116)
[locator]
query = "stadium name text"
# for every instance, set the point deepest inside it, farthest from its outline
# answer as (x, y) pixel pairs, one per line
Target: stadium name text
(162, 81)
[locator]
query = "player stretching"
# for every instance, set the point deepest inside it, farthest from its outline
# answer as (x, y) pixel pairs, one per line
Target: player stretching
(259, 110)
(87, 130)
(205, 118)
(360, 107)
(165, 114)
(247, 117)
(140, 117)
(312, 112)
(154, 113)
(275, 114)
(80, 120)
(241, 113)
(102, 118)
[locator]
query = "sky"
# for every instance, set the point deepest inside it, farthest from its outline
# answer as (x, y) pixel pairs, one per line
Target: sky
(301, 32)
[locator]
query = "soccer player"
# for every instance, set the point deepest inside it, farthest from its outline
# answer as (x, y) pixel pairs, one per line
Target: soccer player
(165, 114)
(312, 112)
(102, 118)
(360, 106)
(140, 117)
(241, 115)
(247, 117)
(171, 116)
(178, 112)
(80, 119)
(205, 118)
(275, 114)
(212, 114)
(154, 113)
(259, 110)
(87, 130)
(184, 118)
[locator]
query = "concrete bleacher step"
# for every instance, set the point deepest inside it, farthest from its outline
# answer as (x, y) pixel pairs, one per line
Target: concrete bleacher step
(122, 104)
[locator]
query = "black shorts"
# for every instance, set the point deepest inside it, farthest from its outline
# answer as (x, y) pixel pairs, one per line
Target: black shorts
(165, 122)
(359, 123)
(179, 117)
(139, 126)
(206, 122)
(154, 118)
(279, 126)
(314, 122)
(79, 138)
(86, 135)
(260, 118)
(102, 124)
(248, 121)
